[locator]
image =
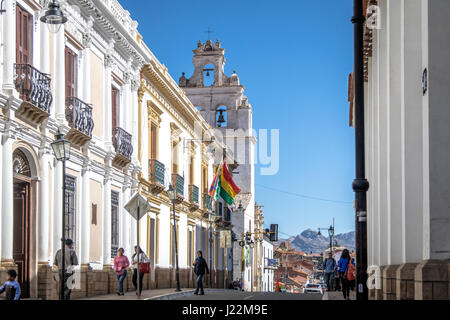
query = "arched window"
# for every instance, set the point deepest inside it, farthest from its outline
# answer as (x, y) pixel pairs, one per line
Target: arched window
(221, 117)
(20, 164)
(208, 75)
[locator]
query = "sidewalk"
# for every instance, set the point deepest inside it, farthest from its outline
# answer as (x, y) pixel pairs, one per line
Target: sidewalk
(155, 294)
(337, 295)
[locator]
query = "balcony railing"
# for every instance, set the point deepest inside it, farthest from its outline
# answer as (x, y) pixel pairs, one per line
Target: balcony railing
(207, 202)
(33, 86)
(178, 184)
(79, 116)
(122, 142)
(157, 171)
(193, 194)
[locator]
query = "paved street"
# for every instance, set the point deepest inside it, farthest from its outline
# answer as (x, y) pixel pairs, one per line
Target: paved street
(216, 294)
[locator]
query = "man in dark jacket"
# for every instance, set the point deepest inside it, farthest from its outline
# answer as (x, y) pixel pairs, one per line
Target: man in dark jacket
(71, 260)
(329, 266)
(200, 268)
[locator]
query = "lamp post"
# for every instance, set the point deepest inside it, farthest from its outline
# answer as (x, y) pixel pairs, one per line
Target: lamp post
(330, 235)
(54, 17)
(61, 148)
(360, 184)
(172, 193)
(211, 216)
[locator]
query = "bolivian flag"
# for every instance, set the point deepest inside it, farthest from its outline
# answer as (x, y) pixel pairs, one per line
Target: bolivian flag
(227, 188)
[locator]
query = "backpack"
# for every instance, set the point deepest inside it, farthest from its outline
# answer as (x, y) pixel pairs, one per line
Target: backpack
(351, 271)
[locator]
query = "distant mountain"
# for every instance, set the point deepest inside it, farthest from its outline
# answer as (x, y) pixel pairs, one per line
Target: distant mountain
(309, 240)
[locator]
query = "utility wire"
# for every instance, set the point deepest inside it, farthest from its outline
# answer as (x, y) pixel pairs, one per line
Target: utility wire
(305, 196)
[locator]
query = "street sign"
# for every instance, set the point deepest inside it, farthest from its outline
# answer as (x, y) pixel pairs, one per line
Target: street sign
(225, 239)
(137, 201)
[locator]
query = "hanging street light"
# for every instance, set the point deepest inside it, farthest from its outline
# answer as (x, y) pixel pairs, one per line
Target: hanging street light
(172, 194)
(61, 149)
(54, 17)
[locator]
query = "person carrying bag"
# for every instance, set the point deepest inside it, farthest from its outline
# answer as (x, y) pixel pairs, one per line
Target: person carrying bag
(144, 267)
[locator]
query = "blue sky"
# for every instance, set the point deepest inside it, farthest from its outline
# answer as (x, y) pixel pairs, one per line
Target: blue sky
(293, 57)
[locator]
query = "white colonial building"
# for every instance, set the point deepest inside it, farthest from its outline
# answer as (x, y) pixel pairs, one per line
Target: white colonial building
(407, 118)
(97, 83)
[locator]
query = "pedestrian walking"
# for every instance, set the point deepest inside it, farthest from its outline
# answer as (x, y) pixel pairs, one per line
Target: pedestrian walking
(71, 260)
(343, 267)
(329, 266)
(200, 269)
(121, 263)
(11, 287)
(143, 261)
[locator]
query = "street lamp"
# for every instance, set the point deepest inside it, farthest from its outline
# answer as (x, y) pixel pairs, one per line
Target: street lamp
(330, 235)
(54, 17)
(211, 216)
(61, 149)
(172, 193)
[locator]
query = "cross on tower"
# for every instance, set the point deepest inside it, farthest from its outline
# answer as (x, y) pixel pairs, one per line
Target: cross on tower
(209, 31)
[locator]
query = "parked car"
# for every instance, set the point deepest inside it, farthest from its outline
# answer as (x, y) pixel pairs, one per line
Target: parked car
(313, 288)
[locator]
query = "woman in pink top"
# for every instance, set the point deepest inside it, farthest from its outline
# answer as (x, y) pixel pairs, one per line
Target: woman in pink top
(121, 264)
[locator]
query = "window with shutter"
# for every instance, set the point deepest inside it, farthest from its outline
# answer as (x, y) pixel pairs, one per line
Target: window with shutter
(153, 133)
(71, 73)
(115, 107)
(24, 36)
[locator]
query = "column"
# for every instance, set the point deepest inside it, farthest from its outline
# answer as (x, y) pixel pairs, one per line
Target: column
(396, 134)
(59, 81)
(108, 98)
(383, 123)
(57, 206)
(9, 45)
(44, 204)
(107, 216)
(413, 177)
(85, 211)
(125, 240)
(7, 216)
(135, 83)
(44, 63)
(86, 171)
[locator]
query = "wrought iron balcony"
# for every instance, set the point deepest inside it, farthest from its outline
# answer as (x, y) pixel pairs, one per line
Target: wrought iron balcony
(34, 88)
(157, 171)
(123, 146)
(207, 202)
(178, 184)
(194, 197)
(79, 117)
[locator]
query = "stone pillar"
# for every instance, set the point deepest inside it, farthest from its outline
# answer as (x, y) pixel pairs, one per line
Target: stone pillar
(135, 83)
(125, 240)
(405, 281)
(44, 204)
(59, 80)
(389, 282)
(9, 45)
(86, 211)
(107, 214)
(107, 111)
(7, 216)
(395, 133)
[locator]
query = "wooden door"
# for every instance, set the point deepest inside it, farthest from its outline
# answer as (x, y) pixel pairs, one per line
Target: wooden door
(24, 36)
(21, 234)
